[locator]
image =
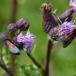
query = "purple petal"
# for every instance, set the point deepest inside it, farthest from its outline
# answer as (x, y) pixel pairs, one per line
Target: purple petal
(65, 28)
(20, 38)
(29, 40)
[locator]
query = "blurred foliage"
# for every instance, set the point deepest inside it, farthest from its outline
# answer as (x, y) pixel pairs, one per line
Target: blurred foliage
(63, 61)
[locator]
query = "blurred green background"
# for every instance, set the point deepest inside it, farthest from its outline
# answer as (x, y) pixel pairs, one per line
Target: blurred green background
(62, 61)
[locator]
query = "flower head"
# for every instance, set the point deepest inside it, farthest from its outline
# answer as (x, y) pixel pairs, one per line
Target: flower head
(65, 29)
(27, 40)
(64, 33)
(62, 30)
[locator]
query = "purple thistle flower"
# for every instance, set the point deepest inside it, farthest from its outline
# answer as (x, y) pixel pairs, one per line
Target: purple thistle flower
(64, 33)
(27, 40)
(65, 29)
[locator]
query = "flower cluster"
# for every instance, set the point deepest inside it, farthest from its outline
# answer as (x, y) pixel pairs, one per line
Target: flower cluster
(18, 41)
(59, 28)
(22, 24)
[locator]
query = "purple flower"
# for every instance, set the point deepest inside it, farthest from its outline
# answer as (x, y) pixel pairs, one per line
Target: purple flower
(64, 33)
(72, 4)
(27, 40)
(65, 28)
(20, 38)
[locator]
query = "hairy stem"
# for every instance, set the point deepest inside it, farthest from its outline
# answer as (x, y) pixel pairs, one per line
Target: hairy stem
(13, 19)
(47, 58)
(13, 10)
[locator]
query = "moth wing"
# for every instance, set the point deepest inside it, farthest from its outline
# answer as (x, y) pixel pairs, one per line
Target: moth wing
(14, 49)
(66, 41)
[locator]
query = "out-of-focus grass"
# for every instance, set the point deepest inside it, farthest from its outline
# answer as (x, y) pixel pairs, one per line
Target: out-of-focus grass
(62, 60)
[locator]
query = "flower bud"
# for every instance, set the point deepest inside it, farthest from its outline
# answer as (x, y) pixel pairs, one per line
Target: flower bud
(49, 19)
(67, 15)
(11, 27)
(22, 24)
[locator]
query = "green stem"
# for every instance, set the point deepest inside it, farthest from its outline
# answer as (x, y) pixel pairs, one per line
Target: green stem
(34, 61)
